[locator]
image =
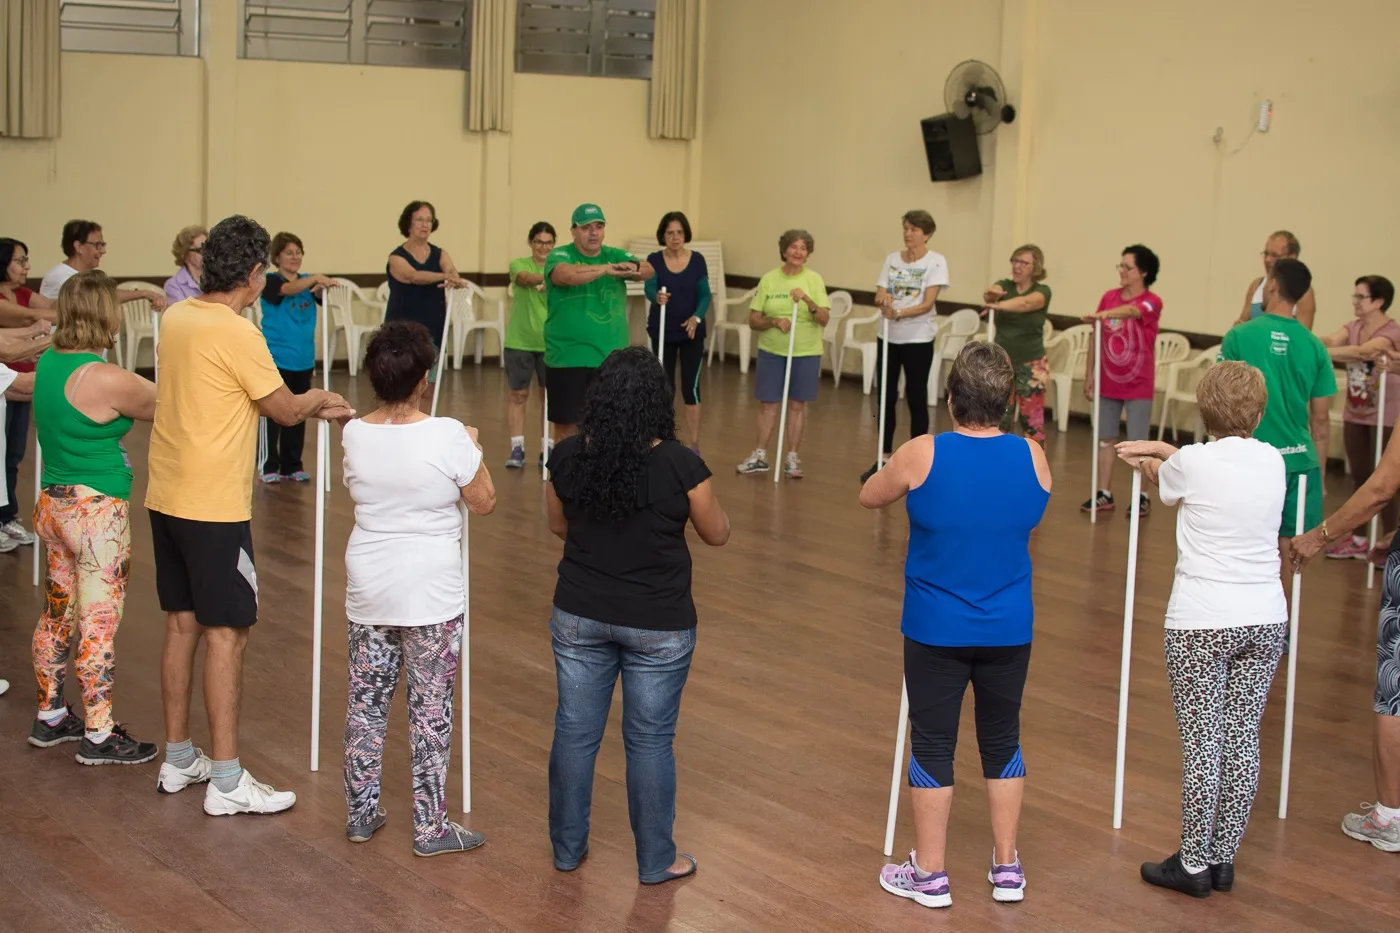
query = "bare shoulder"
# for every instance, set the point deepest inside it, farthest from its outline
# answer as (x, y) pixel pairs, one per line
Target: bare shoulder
(1041, 463)
(915, 459)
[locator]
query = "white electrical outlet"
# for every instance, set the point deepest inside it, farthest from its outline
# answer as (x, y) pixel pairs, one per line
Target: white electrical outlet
(1266, 113)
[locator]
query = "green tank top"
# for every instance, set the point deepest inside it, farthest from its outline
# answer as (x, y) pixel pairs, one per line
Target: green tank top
(76, 449)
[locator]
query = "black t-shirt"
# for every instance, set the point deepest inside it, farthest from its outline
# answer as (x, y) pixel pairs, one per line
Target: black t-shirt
(634, 572)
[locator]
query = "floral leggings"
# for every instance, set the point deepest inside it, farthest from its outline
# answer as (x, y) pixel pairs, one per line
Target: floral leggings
(1220, 682)
(87, 540)
(1029, 395)
(429, 656)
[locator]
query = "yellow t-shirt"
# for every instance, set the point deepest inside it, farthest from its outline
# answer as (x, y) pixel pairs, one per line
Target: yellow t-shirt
(214, 366)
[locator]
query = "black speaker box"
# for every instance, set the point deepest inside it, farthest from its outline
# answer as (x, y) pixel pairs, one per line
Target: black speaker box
(951, 145)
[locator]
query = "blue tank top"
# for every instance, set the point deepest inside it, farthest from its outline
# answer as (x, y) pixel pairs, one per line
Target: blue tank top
(967, 578)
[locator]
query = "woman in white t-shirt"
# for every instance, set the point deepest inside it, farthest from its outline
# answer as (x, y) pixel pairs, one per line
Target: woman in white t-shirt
(1226, 620)
(905, 293)
(404, 592)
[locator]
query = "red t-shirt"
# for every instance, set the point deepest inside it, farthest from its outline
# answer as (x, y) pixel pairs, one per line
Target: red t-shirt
(1130, 347)
(22, 295)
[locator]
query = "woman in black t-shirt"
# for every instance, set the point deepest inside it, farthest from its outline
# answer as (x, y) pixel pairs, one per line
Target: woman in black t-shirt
(622, 492)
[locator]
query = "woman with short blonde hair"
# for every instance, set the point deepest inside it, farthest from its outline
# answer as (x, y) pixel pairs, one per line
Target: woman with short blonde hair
(83, 407)
(188, 250)
(1021, 303)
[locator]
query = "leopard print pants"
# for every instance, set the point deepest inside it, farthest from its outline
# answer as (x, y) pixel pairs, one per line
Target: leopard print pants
(1220, 682)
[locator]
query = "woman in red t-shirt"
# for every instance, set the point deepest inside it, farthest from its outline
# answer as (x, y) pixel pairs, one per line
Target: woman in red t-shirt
(1128, 372)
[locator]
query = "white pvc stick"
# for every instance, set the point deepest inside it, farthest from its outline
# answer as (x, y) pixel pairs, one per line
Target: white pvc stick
(155, 345)
(1376, 519)
(325, 468)
(787, 385)
(661, 331)
(884, 393)
(1125, 666)
(544, 442)
(1292, 660)
(38, 479)
(442, 351)
(991, 325)
(464, 663)
(323, 430)
(1094, 463)
(898, 766)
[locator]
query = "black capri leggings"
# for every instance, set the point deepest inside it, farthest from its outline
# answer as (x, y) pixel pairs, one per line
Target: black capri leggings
(916, 359)
(691, 354)
(936, 679)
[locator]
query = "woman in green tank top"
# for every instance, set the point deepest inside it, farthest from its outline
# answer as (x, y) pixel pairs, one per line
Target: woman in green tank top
(83, 407)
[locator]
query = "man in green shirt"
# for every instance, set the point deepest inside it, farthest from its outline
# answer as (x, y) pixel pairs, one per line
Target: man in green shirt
(1301, 383)
(587, 319)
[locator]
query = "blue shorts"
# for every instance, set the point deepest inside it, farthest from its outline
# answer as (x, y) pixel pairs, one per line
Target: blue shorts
(806, 373)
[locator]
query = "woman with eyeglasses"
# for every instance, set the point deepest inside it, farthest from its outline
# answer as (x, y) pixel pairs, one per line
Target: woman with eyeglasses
(420, 272)
(1280, 245)
(188, 250)
(1368, 336)
(524, 347)
(1021, 304)
(686, 277)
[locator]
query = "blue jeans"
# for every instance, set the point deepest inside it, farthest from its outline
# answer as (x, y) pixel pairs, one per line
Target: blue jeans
(587, 658)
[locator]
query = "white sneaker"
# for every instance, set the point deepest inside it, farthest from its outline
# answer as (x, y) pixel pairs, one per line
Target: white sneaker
(4, 686)
(249, 796)
(172, 780)
(17, 532)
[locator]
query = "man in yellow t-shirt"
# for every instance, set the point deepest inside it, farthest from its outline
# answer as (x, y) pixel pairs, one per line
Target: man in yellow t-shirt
(216, 376)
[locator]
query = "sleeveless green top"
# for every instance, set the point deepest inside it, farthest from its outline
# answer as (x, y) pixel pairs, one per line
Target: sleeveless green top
(76, 449)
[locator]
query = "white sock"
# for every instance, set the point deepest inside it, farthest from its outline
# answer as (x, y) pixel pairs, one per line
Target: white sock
(97, 738)
(1385, 815)
(761, 453)
(52, 717)
(518, 441)
(1192, 869)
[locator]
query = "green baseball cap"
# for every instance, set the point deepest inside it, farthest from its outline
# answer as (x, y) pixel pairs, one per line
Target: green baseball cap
(586, 214)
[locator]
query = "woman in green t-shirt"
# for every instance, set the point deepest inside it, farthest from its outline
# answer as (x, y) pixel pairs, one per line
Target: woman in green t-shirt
(1022, 304)
(524, 349)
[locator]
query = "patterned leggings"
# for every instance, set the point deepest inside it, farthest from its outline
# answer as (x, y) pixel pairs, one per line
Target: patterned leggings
(429, 657)
(1220, 681)
(1029, 394)
(87, 540)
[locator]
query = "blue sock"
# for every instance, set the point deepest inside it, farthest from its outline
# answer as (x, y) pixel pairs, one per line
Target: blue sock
(180, 754)
(226, 774)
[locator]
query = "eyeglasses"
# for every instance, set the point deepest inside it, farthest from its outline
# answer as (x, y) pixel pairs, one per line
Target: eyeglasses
(540, 242)
(1274, 256)
(1360, 297)
(100, 244)
(196, 249)
(22, 260)
(1123, 267)
(293, 254)
(1027, 262)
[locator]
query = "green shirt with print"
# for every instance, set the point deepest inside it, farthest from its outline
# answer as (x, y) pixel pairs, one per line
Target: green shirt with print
(584, 323)
(1296, 370)
(1022, 333)
(527, 309)
(774, 299)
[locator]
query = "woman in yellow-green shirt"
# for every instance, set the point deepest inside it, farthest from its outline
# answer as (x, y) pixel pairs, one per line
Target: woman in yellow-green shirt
(524, 347)
(771, 315)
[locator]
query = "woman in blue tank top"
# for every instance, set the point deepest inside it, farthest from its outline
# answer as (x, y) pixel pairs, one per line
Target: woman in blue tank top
(968, 612)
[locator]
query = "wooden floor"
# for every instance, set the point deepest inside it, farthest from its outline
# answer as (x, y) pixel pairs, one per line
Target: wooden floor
(785, 743)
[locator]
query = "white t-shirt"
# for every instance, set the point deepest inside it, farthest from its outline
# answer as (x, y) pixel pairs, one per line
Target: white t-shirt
(906, 282)
(54, 279)
(1231, 493)
(403, 564)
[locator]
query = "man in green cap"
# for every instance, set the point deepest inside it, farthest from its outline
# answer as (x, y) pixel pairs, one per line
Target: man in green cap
(585, 288)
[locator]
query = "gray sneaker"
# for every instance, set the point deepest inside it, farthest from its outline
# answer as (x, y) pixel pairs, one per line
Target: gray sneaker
(1363, 826)
(756, 463)
(455, 839)
(362, 832)
(67, 729)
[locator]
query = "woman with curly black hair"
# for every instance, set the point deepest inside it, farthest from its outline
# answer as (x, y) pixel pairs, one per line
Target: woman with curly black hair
(419, 274)
(622, 492)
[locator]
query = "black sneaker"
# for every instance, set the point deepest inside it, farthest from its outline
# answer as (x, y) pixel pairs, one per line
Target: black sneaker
(1222, 876)
(1103, 502)
(67, 729)
(1144, 506)
(1170, 874)
(119, 748)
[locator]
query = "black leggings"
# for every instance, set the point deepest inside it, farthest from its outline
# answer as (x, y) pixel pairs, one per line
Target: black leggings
(690, 353)
(936, 679)
(916, 359)
(16, 436)
(284, 445)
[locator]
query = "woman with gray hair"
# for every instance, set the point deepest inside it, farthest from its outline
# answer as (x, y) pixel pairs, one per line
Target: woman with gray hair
(188, 250)
(968, 613)
(771, 315)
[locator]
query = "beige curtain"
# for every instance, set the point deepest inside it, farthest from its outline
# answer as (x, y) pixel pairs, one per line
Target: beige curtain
(492, 65)
(29, 76)
(675, 70)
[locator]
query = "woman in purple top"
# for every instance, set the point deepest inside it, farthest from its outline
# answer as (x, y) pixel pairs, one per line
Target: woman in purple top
(188, 250)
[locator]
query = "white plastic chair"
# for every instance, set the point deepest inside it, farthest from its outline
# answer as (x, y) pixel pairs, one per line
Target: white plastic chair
(381, 294)
(961, 327)
(1170, 348)
(462, 310)
(841, 305)
(137, 325)
(343, 321)
(1068, 354)
(1182, 378)
(721, 325)
(866, 349)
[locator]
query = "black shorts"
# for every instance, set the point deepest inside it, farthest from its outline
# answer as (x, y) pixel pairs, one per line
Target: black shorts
(205, 568)
(567, 387)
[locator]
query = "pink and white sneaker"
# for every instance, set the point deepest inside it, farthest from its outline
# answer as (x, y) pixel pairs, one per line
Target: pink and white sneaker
(907, 881)
(1349, 548)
